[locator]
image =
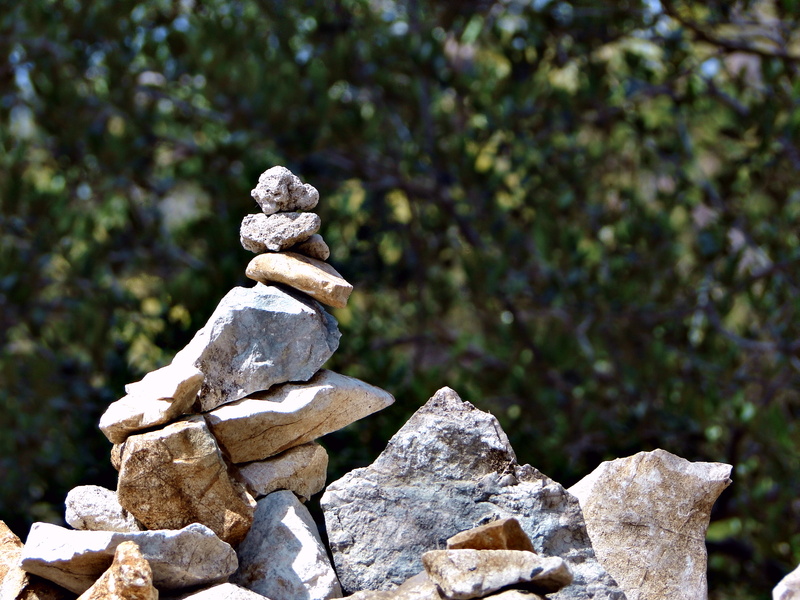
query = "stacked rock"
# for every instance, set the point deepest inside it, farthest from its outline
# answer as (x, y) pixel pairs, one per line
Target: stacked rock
(217, 450)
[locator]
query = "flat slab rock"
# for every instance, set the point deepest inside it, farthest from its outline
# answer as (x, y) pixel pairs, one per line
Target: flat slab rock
(281, 231)
(258, 337)
(647, 517)
(451, 468)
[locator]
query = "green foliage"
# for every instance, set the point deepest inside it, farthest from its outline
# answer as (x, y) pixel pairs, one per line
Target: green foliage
(583, 216)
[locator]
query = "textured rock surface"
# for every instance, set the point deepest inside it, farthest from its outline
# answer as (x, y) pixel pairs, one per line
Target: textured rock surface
(301, 469)
(789, 587)
(315, 247)
(221, 591)
(175, 382)
(418, 587)
(283, 557)
(308, 275)
(97, 509)
(16, 584)
(128, 578)
(503, 534)
(270, 422)
(258, 337)
(647, 517)
(260, 233)
(175, 476)
(449, 469)
(515, 595)
(467, 574)
(279, 190)
(75, 559)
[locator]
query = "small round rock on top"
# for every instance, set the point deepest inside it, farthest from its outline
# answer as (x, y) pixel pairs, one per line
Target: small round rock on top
(279, 190)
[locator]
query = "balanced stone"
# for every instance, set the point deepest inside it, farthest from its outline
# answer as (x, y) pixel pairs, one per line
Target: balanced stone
(260, 233)
(258, 337)
(314, 247)
(647, 517)
(279, 190)
(301, 469)
(128, 578)
(503, 534)
(308, 275)
(267, 423)
(175, 476)
(97, 509)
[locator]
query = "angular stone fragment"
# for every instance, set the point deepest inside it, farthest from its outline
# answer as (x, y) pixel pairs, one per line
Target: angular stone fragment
(128, 578)
(418, 587)
(16, 584)
(281, 231)
(97, 509)
(503, 534)
(173, 383)
(75, 559)
(221, 591)
(314, 247)
(267, 423)
(789, 587)
(467, 574)
(283, 557)
(647, 517)
(301, 469)
(308, 275)
(279, 190)
(450, 468)
(175, 476)
(256, 338)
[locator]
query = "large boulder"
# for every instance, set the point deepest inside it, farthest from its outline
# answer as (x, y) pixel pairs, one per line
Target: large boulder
(451, 468)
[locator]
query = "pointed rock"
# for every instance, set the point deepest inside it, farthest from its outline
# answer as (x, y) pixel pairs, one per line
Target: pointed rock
(281, 231)
(313, 247)
(16, 584)
(267, 423)
(175, 476)
(503, 534)
(279, 190)
(647, 517)
(95, 508)
(450, 468)
(75, 559)
(301, 469)
(256, 338)
(789, 587)
(222, 591)
(283, 557)
(128, 578)
(308, 275)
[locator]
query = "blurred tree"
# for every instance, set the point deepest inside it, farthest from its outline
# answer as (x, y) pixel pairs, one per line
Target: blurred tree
(581, 215)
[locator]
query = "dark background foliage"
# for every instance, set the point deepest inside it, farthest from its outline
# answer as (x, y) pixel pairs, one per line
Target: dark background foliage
(583, 216)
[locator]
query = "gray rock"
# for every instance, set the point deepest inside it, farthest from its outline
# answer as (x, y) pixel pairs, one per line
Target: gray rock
(75, 559)
(283, 557)
(279, 190)
(647, 517)
(789, 587)
(302, 470)
(258, 337)
(96, 508)
(314, 247)
(221, 591)
(450, 468)
(281, 231)
(267, 423)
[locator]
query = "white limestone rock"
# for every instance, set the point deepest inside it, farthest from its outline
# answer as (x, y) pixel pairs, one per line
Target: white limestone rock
(281, 231)
(301, 469)
(647, 517)
(256, 338)
(279, 190)
(267, 423)
(789, 587)
(75, 559)
(16, 584)
(96, 508)
(221, 591)
(128, 578)
(283, 557)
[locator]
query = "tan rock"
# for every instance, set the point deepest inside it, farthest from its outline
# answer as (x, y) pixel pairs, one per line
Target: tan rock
(16, 584)
(279, 190)
(503, 534)
(467, 574)
(128, 578)
(267, 423)
(314, 247)
(789, 587)
(308, 275)
(647, 517)
(281, 231)
(175, 476)
(301, 469)
(418, 587)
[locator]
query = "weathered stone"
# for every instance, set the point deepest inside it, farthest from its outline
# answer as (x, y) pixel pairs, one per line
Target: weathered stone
(279, 190)
(450, 468)
(221, 591)
(789, 587)
(503, 534)
(16, 584)
(315, 247)
(267, 423)
(301, 469)
(256, 338)
(283, 557)
(647, 517)
(75, 559)
(418, 587)
(281, 231)
(175, 476)
(308, 275)
(515, 595)
(128, 578)
(467, 574)
(97, 509)
(160, 397)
